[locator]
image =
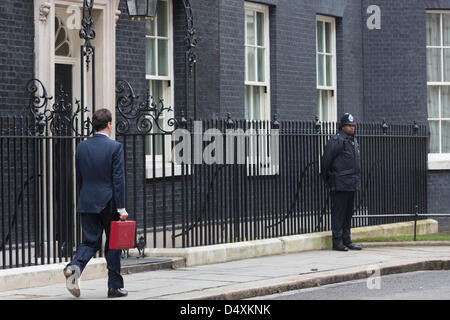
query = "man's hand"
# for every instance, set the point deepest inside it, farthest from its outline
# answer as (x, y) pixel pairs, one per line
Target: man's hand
(123, 215)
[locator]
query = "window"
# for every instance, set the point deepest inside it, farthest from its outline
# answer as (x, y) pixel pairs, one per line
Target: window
(257, 79)
(159, 75)
(257, 89)
(62, 43)
(438, 82)
(326, 68)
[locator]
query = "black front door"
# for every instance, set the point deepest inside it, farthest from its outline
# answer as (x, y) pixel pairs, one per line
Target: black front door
(63, 153)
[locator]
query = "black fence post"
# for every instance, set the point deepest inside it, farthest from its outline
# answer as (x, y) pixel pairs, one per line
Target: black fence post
(415, 222)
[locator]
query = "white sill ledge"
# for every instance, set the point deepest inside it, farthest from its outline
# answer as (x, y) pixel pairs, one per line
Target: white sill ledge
(158, 171)
(177, 170)
(439, 161)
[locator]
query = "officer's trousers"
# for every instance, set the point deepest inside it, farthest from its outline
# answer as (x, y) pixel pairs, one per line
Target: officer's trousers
(341, 216)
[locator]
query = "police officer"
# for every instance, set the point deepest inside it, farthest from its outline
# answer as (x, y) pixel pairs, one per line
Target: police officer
(341, 169)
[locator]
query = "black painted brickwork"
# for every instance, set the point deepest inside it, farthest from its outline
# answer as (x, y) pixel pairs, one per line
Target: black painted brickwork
(16, 54)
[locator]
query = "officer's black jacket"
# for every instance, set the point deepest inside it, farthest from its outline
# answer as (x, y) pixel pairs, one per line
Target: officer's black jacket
(340, 163)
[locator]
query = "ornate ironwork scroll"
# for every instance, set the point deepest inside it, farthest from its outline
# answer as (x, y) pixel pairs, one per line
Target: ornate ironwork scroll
(59, 119)
(140, 117)
(87, 31)
(38, 105)
(191, 37)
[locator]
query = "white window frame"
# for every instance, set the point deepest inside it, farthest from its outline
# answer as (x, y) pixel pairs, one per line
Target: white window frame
(332, 107)
(265, 167)
(168, 96)
(265, 96)
(439, 161)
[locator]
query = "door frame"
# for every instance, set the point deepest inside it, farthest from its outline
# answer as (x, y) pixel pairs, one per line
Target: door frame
(105, 15)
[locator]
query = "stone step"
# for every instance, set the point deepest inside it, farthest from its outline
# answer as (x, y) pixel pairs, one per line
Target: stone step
(135, 265)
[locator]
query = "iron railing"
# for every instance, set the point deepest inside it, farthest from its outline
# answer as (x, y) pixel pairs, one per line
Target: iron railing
(220, 187)
(196, 203)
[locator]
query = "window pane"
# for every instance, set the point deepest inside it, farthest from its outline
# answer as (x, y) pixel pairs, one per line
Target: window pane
(150, 51)
(256, 103)
(434, 136)
(319, 104)
(325, 102)
(260, 28)
(445, 136)
(156, 138)
(320, 80)
(63, 50)
(161, 17)
(156, 90)
(433, 101)
(433, 29)
(328, 37)
(446, 64)
(433, 64)
(248, 102)
(445, 102)
(250, 16)
(446, 29)
(261, 66)
(150, 28)
(329, 70)
(163, 57)
(61, 36)
(251, 64)
(319, 36)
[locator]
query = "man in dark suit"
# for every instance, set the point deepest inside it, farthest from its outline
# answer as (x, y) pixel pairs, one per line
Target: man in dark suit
(100, 175)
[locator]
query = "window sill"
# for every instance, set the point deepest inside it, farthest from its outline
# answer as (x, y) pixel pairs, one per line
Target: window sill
(157, 172)
(439, 161)
(258, 168)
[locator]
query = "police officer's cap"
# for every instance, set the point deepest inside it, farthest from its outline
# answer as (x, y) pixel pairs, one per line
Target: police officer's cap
(347, 119)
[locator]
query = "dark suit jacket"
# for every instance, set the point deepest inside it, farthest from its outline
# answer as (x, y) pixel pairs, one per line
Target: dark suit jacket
(100, 174)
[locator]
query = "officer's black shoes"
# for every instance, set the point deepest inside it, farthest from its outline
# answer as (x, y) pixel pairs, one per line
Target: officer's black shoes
(339, 247)
(117, 293)
(72, 280)
(353, 246)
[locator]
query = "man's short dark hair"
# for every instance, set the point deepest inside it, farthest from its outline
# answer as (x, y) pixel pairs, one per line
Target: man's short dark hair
(100, 119)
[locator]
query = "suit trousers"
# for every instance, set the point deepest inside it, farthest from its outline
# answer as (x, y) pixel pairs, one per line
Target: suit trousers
(93, 225)
(341, 216)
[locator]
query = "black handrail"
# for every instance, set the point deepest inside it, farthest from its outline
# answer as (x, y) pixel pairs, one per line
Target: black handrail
(14, 218)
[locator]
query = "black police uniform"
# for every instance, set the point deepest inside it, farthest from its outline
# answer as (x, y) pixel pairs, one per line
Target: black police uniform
(341, 169)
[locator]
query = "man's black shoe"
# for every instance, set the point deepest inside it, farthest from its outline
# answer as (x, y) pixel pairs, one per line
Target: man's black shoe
(117, 293)
(72, 280)
(340, 247)
(353, 246)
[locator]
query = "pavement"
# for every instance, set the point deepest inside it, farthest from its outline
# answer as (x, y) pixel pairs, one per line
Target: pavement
(258, 276)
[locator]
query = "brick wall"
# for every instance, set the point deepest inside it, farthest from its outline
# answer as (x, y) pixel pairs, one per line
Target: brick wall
(395, 63)
(438, 199)
(395, 84)
(16, 54)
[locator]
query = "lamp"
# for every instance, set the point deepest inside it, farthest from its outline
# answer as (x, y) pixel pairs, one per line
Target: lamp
(142, 9)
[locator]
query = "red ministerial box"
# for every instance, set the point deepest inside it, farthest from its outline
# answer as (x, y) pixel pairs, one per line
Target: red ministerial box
(121, 235)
